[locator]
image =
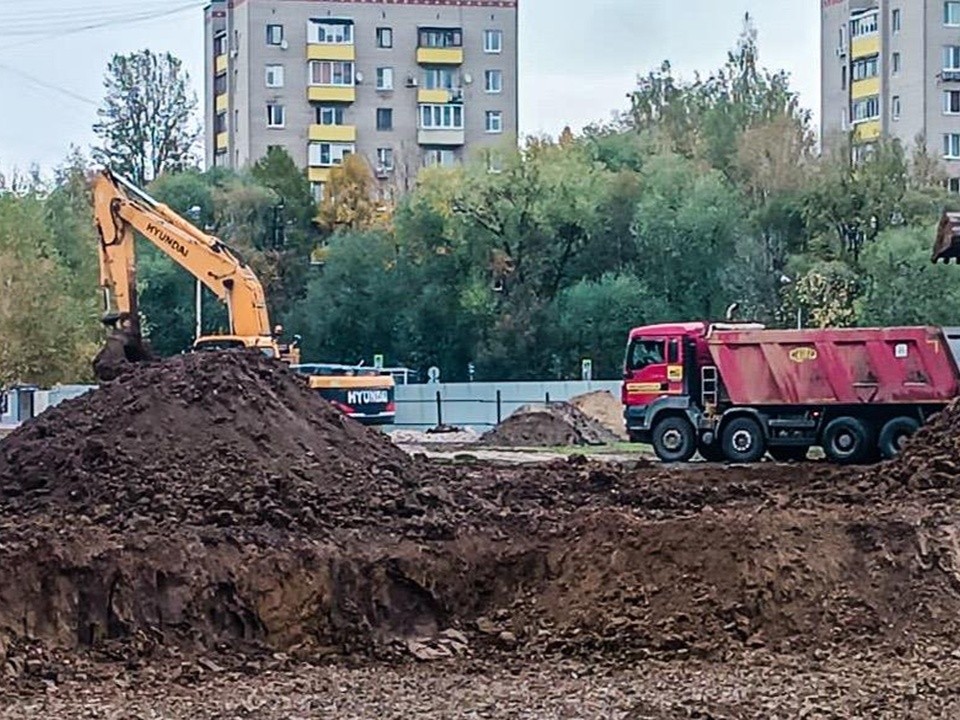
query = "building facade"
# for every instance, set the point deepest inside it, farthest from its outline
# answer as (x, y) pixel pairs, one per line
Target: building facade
(405, 83)
(891, 68)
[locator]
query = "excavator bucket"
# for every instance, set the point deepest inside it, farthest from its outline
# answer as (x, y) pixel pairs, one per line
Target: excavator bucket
(947, 246)
(123, 346)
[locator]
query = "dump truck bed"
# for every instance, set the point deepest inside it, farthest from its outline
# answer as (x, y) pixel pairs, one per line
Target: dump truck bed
(835, 367)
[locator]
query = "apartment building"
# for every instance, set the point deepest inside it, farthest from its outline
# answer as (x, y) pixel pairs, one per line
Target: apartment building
(891, 68)
(405, 83)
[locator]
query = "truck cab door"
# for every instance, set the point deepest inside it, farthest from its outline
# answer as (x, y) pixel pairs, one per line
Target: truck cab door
(646, 372)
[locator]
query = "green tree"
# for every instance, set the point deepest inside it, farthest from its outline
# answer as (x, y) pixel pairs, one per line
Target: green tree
(147, 120)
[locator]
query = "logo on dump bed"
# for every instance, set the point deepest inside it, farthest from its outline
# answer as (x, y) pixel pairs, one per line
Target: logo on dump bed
(803, 354)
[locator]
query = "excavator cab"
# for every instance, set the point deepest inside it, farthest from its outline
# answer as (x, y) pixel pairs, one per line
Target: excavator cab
(947, 245)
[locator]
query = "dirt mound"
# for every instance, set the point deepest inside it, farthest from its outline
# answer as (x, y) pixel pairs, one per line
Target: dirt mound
(603, 407)
(931, 457)
(215, 439)
(553, 425)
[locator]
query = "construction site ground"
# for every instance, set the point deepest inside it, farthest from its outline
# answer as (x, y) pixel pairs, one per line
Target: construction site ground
(207, 539)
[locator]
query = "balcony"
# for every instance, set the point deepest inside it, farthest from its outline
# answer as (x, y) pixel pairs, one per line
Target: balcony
(865, 45)
(329, 51)
(318, 174)
(441, 136)
(440, 97)
(333, 133)
(331, 93)
(866, 131)
(865, 88)
(223, 140)
(222, 103)
(440, 56)
(220, 64)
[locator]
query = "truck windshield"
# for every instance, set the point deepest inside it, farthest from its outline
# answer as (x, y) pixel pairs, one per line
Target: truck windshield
(644, 353)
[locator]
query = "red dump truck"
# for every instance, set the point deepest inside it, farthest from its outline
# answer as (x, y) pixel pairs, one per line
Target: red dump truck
(737, 391)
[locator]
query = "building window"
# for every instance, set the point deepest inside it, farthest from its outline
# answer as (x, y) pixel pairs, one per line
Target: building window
(384, 159)
(220, 44)
(951, 57)
(329, 115)
(329, 154)
(866, 68)
(864, 25)
(317, 188)
(441, 79)
(951, 146)
(951, 14)
(331, 72)
(384, 119)
(951, 102)
(439, 157)
(220, 123)
(843, 119)
(493, 41)
(895, 107)
(330, 33)
(896, 63)
(441, 117)
(494, 162)
(866, 109)
(274, 34)
(275, 116)
(494, 121)
(385, 78)
(384, 37)
(220, 84)
(441, 37)
(953, 185)
(895, 20)
(843, 78)
(274, 76)
(493, 81)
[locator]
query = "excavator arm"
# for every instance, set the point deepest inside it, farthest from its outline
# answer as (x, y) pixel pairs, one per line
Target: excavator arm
(121, 209)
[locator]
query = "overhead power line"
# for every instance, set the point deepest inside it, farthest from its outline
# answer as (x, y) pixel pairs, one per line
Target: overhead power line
(48, 86)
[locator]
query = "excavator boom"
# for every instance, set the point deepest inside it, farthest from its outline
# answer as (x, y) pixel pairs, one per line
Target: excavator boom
(121, 209)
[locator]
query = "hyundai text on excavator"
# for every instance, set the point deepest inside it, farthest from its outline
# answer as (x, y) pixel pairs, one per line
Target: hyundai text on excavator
(121, 209)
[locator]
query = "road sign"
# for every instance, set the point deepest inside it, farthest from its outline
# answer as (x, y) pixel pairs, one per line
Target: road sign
(433, 374)
(378, 362)
(586, 369)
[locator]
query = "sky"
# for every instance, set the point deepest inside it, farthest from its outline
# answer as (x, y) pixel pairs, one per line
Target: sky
(578, 58)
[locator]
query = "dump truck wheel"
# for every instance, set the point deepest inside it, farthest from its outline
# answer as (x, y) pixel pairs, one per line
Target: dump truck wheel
(674, 440)
(847, 440)
(743, 441)
(790, 453)
(894, 434)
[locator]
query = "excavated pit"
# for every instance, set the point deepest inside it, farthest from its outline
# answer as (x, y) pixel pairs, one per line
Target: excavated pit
(214, 501)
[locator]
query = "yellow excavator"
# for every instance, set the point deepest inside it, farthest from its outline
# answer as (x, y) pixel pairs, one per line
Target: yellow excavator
(121, 209)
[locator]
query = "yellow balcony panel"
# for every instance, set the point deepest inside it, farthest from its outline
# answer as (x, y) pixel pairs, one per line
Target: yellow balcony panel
(326, 51)
(223, 140)
(316, 174)
(451, 138)
(222, 103)
(865, 88)
(433, 97)
(333, 133)
(329, 93)
(865, 46)
(867, 131)
(440, 56)
(220, 64)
